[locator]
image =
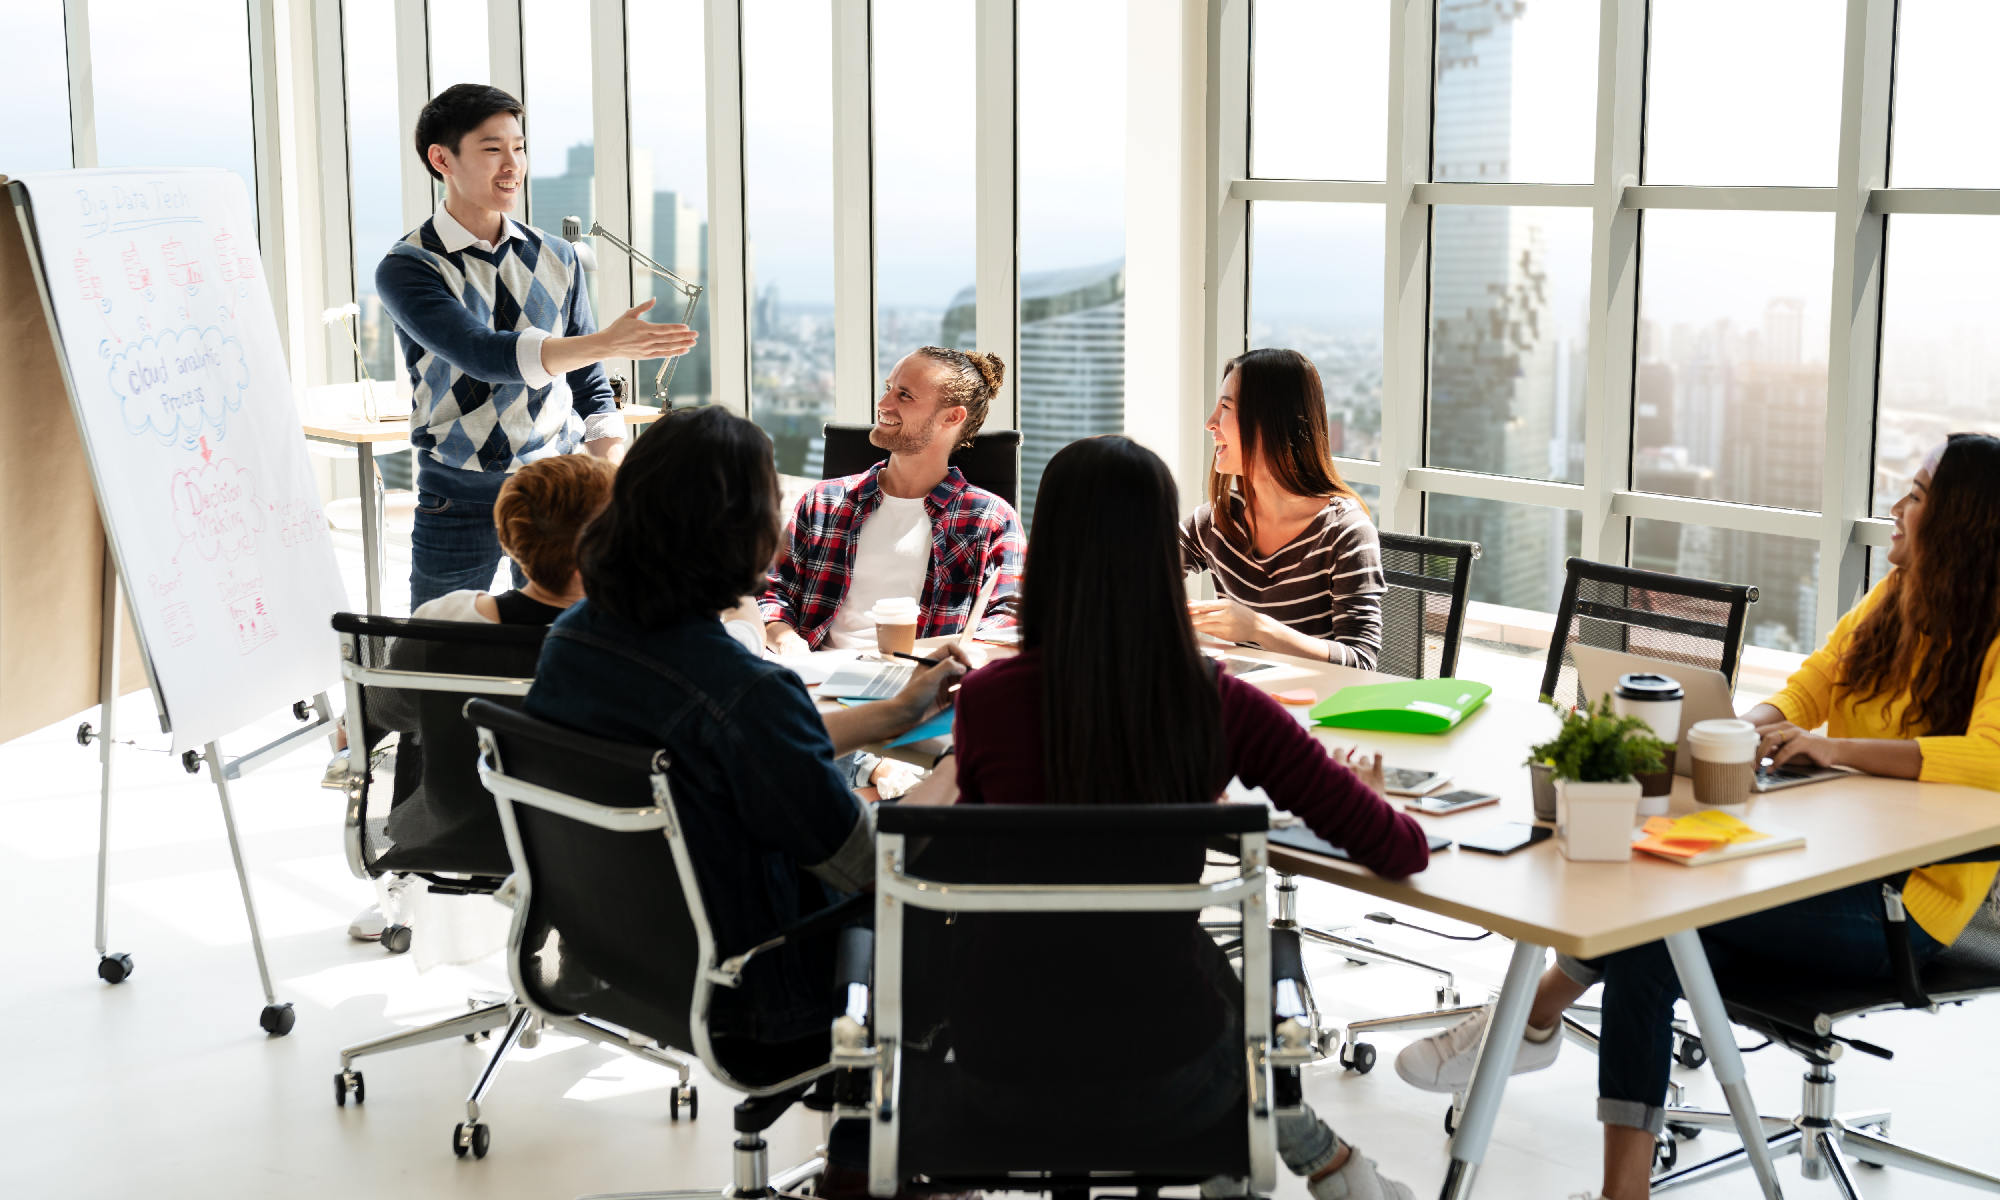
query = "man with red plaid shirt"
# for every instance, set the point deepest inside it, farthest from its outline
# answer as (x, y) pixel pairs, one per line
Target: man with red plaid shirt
(909, 527)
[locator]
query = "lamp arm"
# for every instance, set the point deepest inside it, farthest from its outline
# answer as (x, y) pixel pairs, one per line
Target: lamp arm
(645, 260)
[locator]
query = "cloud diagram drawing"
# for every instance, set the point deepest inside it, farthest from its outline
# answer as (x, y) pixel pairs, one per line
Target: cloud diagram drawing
(216, 507)
(176, 383)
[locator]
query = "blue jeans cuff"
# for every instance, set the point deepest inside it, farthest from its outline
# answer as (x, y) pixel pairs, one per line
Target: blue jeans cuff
(1304, 1141)
(1632, 1115)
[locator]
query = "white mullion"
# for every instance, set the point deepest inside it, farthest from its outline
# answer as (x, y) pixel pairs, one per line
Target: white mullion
(271, 147)
(1614, 278)
(1228, 217)
(413, 91)
(1546, 195)
(997, 203)
(1406, 264)
(1731, 199)
(503, 47)
(1324, 191)
(82, 96)
(1716, 514)
(728, 266)
(1854, 334)
(1508, 489)
(1974, 202)
(854, 364)
(336, 198)
(611, 141)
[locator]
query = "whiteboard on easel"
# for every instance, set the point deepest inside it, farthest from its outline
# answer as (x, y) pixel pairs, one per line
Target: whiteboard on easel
(186, 410)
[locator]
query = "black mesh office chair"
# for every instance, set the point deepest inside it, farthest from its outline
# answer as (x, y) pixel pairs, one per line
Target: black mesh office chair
(1100, 868)
(992, 461)
(419, 808)
(1800, 1013)
(1423, 613)
(1671, 617)
(611, 939)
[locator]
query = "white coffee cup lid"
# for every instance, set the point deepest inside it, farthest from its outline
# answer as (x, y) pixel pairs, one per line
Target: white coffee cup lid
(894, 610)
(1723, 740)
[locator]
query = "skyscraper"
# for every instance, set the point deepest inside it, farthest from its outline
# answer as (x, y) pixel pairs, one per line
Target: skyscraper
(1072, 368)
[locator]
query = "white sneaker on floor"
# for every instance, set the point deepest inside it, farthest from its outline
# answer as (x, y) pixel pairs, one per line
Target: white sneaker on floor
(367, 925)
(1443, 1062)
(1358, 1180)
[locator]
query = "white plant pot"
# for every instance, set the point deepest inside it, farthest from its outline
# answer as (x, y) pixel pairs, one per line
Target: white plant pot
(1594, 821)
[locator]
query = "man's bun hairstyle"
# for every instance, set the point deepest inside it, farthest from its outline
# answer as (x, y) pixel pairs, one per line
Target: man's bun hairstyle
(971, 379)
(455, 112)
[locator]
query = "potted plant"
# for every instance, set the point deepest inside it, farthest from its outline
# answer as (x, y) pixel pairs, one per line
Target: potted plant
(1593, 760)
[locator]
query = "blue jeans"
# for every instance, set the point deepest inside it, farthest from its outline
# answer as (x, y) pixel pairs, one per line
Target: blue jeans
(1836, 936)
(453, 547)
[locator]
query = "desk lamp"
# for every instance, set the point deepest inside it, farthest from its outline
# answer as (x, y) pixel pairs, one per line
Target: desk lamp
(572, 231)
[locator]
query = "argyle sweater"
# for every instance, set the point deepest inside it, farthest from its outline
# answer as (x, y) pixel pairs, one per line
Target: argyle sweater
(476, 418)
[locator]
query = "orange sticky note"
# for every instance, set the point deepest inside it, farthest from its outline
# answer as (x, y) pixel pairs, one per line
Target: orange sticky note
(1305, 696)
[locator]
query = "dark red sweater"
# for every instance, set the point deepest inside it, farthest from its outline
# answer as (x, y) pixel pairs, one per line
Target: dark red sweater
(998, 735)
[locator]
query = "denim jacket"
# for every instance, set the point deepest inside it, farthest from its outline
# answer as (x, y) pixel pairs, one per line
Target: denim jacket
(773, 831)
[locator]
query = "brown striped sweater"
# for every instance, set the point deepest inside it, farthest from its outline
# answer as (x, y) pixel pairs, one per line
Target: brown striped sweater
(1325, 583)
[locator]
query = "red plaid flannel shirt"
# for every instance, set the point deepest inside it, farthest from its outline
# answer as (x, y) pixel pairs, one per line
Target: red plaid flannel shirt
(973, 533)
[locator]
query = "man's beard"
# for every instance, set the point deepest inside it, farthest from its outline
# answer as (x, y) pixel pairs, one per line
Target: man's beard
(903, 439)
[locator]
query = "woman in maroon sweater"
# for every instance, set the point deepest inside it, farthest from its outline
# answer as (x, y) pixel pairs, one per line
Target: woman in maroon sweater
(1111, 702)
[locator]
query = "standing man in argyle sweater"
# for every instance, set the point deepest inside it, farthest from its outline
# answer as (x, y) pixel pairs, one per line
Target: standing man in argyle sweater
(503, 353)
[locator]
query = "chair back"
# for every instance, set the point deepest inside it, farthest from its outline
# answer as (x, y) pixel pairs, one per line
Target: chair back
(1069, 882)
(1423, 611)
(991, 462)
(409, 680)
(610, 922)
(1670, 617)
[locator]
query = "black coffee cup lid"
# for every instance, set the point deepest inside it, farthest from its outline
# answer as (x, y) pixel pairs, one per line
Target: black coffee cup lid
(1648, 686)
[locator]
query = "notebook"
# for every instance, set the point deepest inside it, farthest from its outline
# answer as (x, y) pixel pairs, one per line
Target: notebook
(1405, 706)
(1709, 836)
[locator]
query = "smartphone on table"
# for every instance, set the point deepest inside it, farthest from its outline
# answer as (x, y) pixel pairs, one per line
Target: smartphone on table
(1506, 837)
(1412, 781)
(1449, 802)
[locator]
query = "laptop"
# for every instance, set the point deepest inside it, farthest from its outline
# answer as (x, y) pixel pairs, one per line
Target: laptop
(1707, 697)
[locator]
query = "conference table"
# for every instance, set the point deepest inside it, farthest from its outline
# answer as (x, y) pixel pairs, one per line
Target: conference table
(1856, 829)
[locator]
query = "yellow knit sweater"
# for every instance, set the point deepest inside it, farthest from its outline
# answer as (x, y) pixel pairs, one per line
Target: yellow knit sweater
(1940, 898)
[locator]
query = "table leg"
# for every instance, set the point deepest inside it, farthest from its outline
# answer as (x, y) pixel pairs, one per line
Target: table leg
(1496, 1063)
(1698, 985)
(371, 529)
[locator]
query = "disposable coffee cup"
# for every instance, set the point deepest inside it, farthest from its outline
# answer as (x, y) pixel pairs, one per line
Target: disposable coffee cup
(1656, 700)
(1725, 763)
(895, 624)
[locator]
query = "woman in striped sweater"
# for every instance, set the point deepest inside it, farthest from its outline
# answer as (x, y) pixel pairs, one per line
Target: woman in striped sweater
(1292, 549)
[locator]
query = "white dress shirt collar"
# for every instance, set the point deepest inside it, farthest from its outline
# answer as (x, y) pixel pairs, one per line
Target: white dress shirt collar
(457, 237)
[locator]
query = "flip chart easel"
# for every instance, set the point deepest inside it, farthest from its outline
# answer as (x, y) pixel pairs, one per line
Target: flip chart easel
(239, 576)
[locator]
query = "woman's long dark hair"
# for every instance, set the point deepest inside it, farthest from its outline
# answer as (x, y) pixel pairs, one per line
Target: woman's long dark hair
(1280, 416)
(1130, 710)
(693, 521)
(1940, 613)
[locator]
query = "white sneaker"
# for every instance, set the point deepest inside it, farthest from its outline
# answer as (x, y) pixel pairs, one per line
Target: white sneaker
(1443, 1062)
(367, 925)
(1358, 1179)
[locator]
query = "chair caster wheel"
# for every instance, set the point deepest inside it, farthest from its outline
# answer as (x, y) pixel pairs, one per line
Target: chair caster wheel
(277, 1019)
(1685, 1132)
(114, 968)
(1447, 997)
(475, 1137)
(682, 1094)
(1451, 1120)
(1358, 1058)
(1666, 1152)
(1689, 1052)
(396, 939)
(345, 1082)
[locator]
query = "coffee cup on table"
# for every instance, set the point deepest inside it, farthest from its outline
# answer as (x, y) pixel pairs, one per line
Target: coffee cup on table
(895, 620)
(1656, 700)
(1725, 763)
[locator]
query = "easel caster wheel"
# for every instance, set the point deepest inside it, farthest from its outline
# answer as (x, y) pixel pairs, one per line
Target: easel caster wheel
(682, 1094)
(461, 1139)
(396, 939)
(1451, 1120)
(345, 1082)
(476, 1138)
(1359, 1058)
(114, 968)
(277, 1019)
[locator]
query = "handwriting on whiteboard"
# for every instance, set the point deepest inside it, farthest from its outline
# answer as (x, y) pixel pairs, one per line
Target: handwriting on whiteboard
(216, 508)
(178, 382)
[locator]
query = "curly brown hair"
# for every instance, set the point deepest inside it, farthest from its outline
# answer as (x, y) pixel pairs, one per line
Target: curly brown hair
(544, 506)
(971, 379)
(1938, 615)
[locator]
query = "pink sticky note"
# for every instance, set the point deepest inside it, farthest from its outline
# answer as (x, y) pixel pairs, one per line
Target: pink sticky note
(1301, 696)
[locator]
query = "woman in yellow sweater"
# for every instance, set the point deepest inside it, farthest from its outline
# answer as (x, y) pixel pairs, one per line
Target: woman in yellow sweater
(1906, 687)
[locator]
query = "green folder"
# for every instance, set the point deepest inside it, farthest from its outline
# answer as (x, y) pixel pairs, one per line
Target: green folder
(1407, 706)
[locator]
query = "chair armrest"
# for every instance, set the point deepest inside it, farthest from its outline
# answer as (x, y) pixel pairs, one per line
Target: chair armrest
(730, 970)
(1903, 970)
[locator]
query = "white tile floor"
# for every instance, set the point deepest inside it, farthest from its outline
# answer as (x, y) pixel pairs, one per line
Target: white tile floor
(163, 1086)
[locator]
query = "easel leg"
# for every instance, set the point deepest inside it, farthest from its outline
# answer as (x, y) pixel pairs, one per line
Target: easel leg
(112, 968)
(371, 528)
(277, 1018)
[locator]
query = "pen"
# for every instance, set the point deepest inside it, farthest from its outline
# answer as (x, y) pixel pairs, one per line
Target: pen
(929, 662)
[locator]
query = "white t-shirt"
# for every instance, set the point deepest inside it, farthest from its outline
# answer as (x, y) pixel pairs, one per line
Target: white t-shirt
(891, 558)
